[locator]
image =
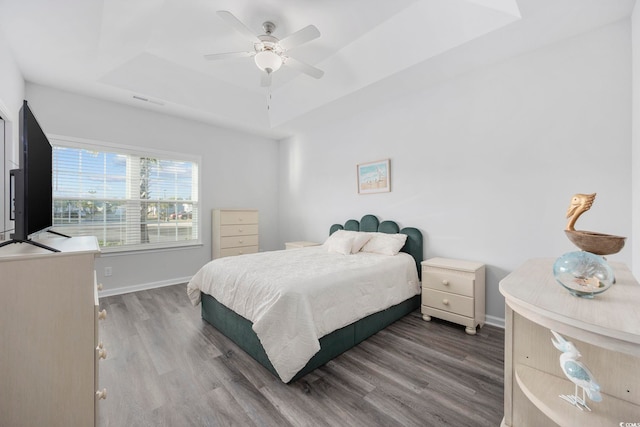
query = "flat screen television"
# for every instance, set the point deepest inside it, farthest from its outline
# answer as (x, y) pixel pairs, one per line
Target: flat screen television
(31, 186)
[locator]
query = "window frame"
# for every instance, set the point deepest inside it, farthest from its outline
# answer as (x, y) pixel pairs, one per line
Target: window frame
(141, 152)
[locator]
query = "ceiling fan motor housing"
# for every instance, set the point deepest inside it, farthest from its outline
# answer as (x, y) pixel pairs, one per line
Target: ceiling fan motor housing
(268, 27)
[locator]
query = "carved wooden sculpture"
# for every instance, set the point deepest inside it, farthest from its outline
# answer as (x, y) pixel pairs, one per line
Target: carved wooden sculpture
(596, 243)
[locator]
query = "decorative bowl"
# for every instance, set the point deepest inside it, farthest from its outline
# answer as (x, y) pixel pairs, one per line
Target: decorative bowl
(596, 243)
(583, 274)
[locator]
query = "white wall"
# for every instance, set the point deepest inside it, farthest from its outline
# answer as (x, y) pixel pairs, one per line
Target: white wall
(484, 164)
(11, 96)
(635, 186)
(237, 171)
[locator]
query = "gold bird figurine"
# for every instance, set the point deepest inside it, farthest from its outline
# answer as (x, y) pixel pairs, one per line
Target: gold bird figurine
(589, 241)
(580, 203)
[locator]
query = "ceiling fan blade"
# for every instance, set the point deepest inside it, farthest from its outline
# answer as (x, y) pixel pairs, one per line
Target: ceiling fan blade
(237, 25)
(304, 35)
(265, 80)
(227, 55)
(314, 72)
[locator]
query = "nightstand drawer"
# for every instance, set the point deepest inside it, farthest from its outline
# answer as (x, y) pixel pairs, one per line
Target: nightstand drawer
(448, 302)
(448, 281)
(237, 241)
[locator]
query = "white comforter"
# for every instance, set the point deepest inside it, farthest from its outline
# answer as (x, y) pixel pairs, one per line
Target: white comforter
(295, 297)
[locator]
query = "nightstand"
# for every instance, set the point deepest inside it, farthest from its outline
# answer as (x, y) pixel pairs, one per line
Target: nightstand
(297, 245)
(453, 290)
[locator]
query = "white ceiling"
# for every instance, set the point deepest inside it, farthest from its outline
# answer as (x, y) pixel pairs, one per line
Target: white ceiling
(369, 51)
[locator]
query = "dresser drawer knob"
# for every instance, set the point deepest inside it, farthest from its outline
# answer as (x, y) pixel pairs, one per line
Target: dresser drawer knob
(239, 230)
(102, 353)
(445, 301)
(239, 241)
(101, 394)
(445, 282)
(102, 314)
(99, 286)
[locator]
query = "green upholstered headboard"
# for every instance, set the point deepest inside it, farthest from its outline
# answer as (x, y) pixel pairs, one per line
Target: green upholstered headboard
(370, 223)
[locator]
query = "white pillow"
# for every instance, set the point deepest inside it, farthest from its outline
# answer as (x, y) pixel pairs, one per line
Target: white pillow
(360, 238)
(339, 243)
(385, 243)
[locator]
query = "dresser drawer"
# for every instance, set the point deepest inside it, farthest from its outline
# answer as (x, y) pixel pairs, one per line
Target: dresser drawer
(238, 241)
(238, 251)
(238, 230)
(238, 217)
(448, 302)
(448, 281)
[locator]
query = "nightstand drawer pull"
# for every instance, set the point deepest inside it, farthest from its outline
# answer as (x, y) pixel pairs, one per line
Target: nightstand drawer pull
(101, 394)
(445, 301)
(445, 282)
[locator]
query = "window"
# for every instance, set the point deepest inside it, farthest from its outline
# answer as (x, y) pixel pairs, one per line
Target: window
(128, 198)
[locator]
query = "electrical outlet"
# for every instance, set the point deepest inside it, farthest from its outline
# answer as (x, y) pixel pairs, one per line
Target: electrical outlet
(107, 271)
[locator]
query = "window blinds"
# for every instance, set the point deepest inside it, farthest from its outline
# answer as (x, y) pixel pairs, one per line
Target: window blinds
(128, 198)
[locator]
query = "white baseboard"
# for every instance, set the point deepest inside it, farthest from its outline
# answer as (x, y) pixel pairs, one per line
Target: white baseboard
(143, 287)
(494, 321)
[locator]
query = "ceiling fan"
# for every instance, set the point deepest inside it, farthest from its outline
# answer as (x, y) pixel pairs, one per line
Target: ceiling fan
(270, 53)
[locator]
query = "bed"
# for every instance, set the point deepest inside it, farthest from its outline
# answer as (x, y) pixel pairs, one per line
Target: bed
(364, 280)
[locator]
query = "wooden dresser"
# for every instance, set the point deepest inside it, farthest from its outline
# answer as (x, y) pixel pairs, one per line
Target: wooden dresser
(49, 346)
(605, 330)
(234, 232)
(453, 290)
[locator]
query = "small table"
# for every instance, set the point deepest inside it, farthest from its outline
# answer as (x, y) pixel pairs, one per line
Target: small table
(301, 244)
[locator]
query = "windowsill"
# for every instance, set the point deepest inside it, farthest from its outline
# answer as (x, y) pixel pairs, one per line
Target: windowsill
(113, 251)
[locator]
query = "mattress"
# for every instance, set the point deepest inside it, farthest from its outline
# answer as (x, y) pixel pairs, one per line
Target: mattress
(295, 297)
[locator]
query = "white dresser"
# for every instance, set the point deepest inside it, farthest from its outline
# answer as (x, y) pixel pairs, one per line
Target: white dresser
(454, 290)
(49, 346)
(234, 232)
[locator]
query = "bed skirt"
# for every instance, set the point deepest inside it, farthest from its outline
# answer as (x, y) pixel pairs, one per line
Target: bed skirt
(238, 329)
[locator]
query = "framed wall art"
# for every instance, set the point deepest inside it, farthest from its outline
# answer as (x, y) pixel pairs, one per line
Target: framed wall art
(374, 177)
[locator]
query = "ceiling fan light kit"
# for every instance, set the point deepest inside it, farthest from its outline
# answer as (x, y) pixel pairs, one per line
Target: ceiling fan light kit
(270, 53)
(268, 60)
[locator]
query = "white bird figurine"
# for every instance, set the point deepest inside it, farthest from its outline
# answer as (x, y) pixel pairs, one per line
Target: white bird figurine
(577, 373)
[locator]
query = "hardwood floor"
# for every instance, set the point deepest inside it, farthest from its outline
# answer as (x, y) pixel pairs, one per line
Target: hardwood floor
(168, 367)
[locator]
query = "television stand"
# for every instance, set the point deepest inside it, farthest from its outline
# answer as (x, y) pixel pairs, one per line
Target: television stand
(34, 243)
(58, 234)
(31, 242)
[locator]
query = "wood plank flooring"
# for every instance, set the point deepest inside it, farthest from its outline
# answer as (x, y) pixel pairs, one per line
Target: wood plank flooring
(168, 367)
